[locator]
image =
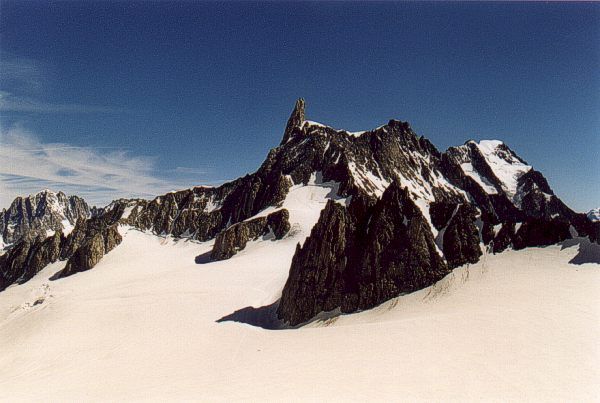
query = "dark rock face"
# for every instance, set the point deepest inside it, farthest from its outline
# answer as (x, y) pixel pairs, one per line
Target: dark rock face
(194, 213)
(494, 208)
(316, 279)
(504, 238)
(533, 202)
(532, 232)
(279, 223)
(90, 240)
(593, 231)
(461, 237)
(28, 257)
(91, 250)
(295, 121)
(400, 252)
(37, 214)
(441, 213)
(233, 239)
(359, 257)
(308, 151)
(539, 232)
(325, 274)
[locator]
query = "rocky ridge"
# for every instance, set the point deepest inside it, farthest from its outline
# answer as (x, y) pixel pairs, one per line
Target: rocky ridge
(234, 238)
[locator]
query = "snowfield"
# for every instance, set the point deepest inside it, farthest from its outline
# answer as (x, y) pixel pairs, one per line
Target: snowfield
(143, 325)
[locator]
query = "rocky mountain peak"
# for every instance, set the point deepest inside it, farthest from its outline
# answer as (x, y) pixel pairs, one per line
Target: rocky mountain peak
(41, 213)
(295, 121)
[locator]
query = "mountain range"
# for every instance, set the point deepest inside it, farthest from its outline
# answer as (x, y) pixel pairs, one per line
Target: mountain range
(399, 216)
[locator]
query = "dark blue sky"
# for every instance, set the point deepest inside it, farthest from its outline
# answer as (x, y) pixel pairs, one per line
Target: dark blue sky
(206, 88)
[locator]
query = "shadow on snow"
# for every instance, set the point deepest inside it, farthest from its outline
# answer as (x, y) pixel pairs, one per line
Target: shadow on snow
(589, 252)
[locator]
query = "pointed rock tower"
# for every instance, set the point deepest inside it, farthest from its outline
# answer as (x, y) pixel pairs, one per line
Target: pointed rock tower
(295, 121)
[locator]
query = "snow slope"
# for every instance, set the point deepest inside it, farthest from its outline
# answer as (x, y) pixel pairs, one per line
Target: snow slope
(487, 187)
(142, 325)
(505, 166)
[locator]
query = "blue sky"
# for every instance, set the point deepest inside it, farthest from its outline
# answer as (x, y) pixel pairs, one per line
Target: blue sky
(115, 98)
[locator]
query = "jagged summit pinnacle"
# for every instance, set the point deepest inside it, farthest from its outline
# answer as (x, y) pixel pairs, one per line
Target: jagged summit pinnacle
(297, 124)
(295, 121)
(299, 109)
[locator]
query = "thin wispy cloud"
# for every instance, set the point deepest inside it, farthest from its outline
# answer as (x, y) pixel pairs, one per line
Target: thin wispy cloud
(99, 174)
(28, 165)
(22, 89)
(14, 103)
(23, 75)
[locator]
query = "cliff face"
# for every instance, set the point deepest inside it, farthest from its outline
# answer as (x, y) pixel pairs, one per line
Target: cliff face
(358, 257)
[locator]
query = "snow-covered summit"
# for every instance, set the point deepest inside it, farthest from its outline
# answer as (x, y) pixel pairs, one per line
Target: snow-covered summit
(505, 164)
(493, 165)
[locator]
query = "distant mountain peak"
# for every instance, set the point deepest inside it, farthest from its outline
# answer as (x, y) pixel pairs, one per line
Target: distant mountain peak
(594, 214)
(40, 214)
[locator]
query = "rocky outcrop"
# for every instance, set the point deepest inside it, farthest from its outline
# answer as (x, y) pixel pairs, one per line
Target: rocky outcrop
(461, 237)
(233, 239)
(39, 214)
(504, 238)
(98, 243)
(86, 229)
(28, 257)
(539, 232)
(316, 281)
(358, 257)
(532, 232)
(295, 121)
(476, 193)
(90, 240)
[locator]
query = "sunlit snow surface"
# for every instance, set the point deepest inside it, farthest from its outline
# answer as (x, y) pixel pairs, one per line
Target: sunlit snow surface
(142, 325)
(506, 167)
(487, 187)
